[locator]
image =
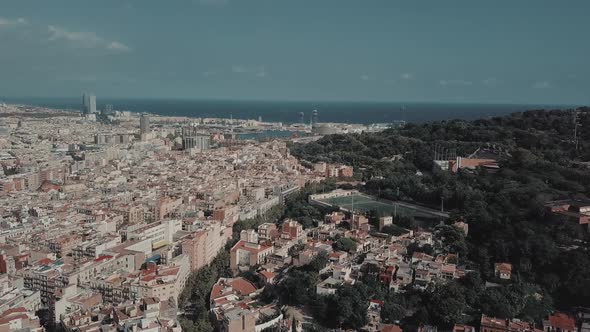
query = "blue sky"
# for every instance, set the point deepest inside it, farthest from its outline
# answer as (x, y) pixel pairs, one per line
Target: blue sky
(503, 51)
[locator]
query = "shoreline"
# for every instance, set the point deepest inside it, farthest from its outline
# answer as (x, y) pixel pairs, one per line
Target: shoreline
(290, 112)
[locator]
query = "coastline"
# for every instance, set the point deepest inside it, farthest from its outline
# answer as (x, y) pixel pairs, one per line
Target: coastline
(288, 112)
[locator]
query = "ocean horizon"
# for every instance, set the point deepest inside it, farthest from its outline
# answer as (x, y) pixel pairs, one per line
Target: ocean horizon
(289, 111)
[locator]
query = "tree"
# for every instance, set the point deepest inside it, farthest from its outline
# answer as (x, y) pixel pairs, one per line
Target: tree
(392, 312)
(496, 302)
(406, 222)
(473, 286)
(346, 309)
(394, 230)
(453, 239)
(298, 287)
(319, 262)
(345, 244)
(447, 304)
(505, 209)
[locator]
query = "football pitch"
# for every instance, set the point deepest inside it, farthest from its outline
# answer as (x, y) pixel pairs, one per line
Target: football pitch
(367, 203)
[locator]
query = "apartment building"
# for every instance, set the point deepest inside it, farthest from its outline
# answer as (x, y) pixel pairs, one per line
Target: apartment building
(159, 233)
(244, 255)
(165, 282)
(202, 246)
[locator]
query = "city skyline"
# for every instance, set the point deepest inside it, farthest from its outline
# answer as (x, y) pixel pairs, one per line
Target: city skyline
(505, 52)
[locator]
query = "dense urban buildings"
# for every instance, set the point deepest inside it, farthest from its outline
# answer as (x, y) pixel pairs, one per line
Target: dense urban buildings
(128, 223)
(294, 166)
(101, 217)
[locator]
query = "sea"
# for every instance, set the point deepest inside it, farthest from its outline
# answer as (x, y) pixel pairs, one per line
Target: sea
(290, 111)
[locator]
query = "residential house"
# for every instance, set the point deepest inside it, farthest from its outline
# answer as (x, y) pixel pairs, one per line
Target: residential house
(560, 322)
(503, 270)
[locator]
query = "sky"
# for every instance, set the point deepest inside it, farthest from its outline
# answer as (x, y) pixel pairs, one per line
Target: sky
(501, 51)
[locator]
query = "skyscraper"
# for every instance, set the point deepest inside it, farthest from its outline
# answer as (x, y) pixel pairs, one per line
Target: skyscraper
(85, 102)
(314, 117)
(144, 124)
(89, 103)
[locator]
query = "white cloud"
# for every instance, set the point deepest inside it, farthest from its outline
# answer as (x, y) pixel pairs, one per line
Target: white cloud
(455, 82)
(406, 76)
(365, 77)
(257, 71)
(118, 47)
(84, 39)
(542, 85)
(15, 21)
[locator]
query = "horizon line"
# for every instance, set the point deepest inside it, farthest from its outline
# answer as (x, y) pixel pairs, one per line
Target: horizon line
(360, 101)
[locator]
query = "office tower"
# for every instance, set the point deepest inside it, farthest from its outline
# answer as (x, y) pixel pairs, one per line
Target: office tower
(108, 108)
(92, 106)
(301, 117)
(144, 124)
(314, 117)
(89, 103)
(85, 102)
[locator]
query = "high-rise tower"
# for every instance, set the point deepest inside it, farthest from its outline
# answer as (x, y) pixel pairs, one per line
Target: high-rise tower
(89, 103)
(314, 117)
(144, 124)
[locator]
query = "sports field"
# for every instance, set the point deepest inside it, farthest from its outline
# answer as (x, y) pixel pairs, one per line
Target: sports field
(365, 203)
(383, 208)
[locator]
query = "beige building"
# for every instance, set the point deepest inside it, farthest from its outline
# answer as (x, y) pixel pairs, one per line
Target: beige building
(385, 221)
(202, 246)
(238, 320)
(246, 254)
(165, 205)
(165, 282)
